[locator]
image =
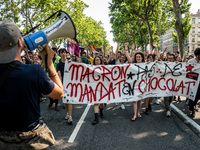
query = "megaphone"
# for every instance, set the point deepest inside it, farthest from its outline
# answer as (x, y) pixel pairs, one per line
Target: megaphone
(62, 27)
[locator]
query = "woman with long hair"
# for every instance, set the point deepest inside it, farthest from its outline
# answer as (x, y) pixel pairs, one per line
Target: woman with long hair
(97, 61)
(139, 57)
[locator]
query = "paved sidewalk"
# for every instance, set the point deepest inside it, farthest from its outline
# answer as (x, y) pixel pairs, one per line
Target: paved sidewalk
(181, 109)
(183, 106)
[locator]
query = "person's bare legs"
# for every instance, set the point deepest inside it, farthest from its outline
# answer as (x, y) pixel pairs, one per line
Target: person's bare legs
(135, 111)
(70, 108)
(139, 108)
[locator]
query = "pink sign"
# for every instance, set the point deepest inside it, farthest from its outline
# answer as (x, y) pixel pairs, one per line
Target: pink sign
(72, 47)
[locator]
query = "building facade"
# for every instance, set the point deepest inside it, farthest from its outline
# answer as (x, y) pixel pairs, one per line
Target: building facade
(167, 41)
(191, 43)
(194, 35)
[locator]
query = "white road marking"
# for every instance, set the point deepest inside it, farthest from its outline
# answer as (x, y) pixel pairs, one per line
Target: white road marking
(79, 124)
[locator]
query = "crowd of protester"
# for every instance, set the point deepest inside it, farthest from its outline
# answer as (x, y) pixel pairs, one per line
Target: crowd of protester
(91, 56)
(23, 85)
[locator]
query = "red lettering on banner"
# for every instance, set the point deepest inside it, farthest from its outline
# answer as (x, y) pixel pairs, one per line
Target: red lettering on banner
(104, 86)
(119, 87)
(189, 86)
(118, 73)
(111, 90)
(139, 86)
(156, 85)
(159, 84)
(76, 67)
(80, 73)
(74, 90)
(167, 84)
(91, 94)
(87, 73)
(181, 85)
(148, 85)
(124, 71)
(86, 93)
(98, 75)
(174, 85)
(105, 72)
(192, 75)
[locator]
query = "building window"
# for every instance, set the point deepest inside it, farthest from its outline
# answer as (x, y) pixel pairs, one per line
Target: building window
(193, 39)
(193, 20)
(198, 20)
(198, 38)
(193, 29)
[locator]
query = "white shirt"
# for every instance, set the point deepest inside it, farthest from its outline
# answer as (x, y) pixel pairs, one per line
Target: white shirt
(117, 62)
(193, 61)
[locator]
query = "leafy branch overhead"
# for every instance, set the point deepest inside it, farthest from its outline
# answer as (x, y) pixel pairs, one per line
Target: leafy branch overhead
(89, 31)
(154, 15)
(139, 22)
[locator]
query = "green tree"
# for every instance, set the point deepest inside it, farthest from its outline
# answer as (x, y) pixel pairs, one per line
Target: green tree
(88, 30)
(143, 10)
(181, 25)
(127, 30)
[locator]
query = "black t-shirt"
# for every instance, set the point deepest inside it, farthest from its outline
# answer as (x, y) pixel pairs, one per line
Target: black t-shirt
(20, 97)
(60, 67)
(112, 62)
(28, 61)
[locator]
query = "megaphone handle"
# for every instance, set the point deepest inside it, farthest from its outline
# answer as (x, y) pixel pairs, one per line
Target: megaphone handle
(46, 67)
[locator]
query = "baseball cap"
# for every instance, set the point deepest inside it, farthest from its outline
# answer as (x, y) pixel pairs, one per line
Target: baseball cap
(9, 36)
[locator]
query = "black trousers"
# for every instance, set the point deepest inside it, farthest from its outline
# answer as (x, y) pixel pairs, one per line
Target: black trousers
(192, 103)
(53, 101)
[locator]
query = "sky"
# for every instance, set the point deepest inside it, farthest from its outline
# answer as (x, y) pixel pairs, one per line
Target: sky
(98, 10)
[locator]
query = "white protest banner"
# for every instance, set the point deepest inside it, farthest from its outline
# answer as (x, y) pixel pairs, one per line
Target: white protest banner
(85, 84)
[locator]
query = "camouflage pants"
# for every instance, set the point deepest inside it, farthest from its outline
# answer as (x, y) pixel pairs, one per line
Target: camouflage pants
(38, 138)
(167, 102)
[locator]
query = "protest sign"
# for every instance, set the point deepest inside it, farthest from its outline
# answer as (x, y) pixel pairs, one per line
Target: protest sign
(85, 84)
(73, 47)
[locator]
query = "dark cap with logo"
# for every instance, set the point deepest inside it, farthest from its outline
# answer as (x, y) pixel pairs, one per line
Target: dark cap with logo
(9, 36)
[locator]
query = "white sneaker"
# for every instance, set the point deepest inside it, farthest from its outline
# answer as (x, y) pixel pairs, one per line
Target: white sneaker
(70, 120)
(67, 116)
(168, 114)
(157, 102)
(122, 106)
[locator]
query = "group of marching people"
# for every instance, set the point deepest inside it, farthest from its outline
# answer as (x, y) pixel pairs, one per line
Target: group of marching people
(118, 57)
(22, 86)
(136, 56)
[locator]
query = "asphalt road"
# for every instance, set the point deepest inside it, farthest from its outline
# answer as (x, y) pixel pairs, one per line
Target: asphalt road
(152, 132)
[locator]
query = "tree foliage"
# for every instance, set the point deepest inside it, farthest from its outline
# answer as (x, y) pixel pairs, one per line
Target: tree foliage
(142, 14)
(181, 24)
(89, 31)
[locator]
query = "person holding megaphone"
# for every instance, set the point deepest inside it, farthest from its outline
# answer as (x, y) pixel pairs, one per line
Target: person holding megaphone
(21, 86)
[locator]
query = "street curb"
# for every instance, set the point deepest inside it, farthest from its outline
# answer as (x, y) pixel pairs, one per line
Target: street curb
(188, 121)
